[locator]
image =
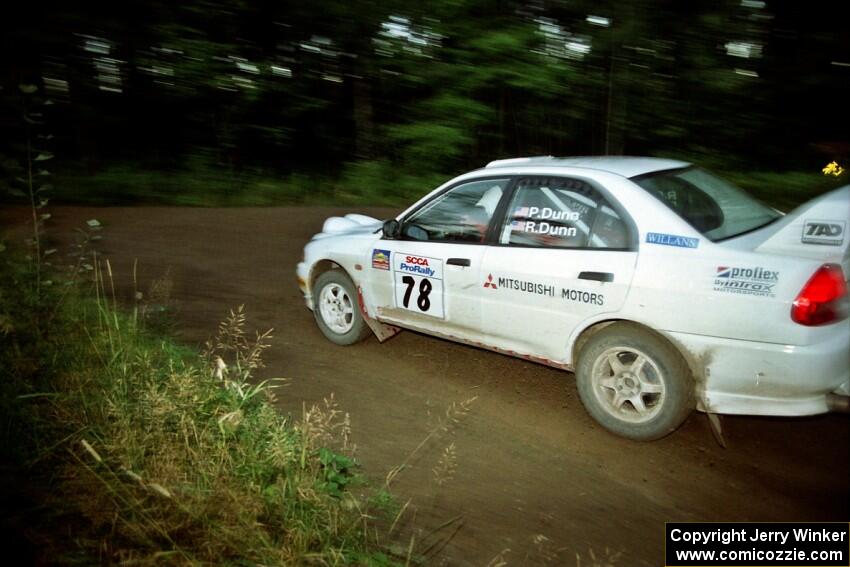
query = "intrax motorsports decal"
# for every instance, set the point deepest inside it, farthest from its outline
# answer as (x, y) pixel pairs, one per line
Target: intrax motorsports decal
(829, 232)
(381, 259)
(671, 240)
(746, 281)
(418, 284)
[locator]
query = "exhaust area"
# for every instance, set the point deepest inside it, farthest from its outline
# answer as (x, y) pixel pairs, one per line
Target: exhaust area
(838, 403)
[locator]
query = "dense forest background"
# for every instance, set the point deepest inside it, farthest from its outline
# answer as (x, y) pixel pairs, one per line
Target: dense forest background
(211, 102)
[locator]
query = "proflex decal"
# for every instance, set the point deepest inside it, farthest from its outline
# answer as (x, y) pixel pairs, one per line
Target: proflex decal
(671, 240)
(756, 281)
(381, 259)
(828, 232)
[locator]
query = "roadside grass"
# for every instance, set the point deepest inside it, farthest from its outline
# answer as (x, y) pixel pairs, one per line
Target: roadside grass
(129, 448)
(143, 451)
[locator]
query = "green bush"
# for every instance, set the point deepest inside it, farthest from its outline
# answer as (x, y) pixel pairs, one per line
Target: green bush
(785, 190)
(378, 182)
(201, 184)
(383, 183)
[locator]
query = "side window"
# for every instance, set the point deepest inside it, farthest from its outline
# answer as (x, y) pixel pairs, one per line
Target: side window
(462, 214)
(563, 213)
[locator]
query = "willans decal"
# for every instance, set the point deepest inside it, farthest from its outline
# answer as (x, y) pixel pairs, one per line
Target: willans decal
(671, 240)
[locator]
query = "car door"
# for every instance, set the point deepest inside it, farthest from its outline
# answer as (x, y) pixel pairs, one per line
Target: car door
(428, 277)
(564, 254)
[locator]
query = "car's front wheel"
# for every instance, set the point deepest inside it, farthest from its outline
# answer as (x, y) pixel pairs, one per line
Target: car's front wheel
(337, 309)
(634, 383)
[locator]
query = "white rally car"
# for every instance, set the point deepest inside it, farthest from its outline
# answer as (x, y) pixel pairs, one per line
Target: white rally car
(661, 286)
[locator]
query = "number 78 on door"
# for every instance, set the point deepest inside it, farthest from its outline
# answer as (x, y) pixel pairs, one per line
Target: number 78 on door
(418, 284)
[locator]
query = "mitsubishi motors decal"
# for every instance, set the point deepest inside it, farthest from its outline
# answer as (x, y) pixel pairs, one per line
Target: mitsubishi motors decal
(519, 285)
(537, 288)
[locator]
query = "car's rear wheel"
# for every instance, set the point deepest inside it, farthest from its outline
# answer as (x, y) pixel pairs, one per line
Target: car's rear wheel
(634, 383)
(337, 310)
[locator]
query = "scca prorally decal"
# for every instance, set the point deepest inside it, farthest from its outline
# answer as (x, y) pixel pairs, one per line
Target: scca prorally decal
(381, 259)
(418, 284)
(829, 232)
(582, 296)
(756, 281)
(671, 240)
(416, 265)
(526, 286)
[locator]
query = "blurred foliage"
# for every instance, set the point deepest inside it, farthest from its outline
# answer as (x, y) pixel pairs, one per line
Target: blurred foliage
(784, 190)
(208, 101)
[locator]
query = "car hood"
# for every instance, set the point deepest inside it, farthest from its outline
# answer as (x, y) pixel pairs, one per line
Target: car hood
(348, 225)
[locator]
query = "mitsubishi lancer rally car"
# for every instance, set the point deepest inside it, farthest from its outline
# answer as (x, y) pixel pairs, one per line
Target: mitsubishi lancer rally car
(662, 287)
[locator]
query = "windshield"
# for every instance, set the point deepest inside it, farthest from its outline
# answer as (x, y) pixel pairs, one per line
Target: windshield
(714, 207)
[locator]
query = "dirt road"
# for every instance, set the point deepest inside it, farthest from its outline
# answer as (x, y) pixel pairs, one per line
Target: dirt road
(534, 474)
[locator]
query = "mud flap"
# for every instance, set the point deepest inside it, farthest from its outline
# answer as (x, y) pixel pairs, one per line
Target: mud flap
(381, 330)
(716, 429)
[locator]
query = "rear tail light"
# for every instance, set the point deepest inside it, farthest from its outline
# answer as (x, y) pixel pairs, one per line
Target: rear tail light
(823, 299)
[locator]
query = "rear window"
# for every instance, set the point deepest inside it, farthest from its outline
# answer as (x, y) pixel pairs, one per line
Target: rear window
(715, 208)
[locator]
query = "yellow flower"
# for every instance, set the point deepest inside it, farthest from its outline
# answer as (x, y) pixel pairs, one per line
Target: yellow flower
(833, 169)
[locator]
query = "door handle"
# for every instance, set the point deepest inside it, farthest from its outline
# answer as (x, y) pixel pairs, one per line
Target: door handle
(597, 276)
(458, 262)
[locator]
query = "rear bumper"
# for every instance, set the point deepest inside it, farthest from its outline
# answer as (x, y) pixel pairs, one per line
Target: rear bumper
(753, 378)
(839, 402)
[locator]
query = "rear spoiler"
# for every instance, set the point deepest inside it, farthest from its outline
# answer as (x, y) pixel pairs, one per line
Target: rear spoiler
(816, 229)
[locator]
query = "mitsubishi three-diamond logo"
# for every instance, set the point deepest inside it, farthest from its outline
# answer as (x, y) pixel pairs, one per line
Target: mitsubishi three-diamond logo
(490, 282)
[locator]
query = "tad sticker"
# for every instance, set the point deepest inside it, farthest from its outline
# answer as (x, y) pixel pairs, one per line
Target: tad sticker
(418, 284)
(829, 232)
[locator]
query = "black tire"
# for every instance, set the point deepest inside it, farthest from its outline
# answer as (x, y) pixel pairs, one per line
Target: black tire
(337, 309)
(634, 383)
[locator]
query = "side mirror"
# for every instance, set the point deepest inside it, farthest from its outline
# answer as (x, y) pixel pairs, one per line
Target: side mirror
(391, 228)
